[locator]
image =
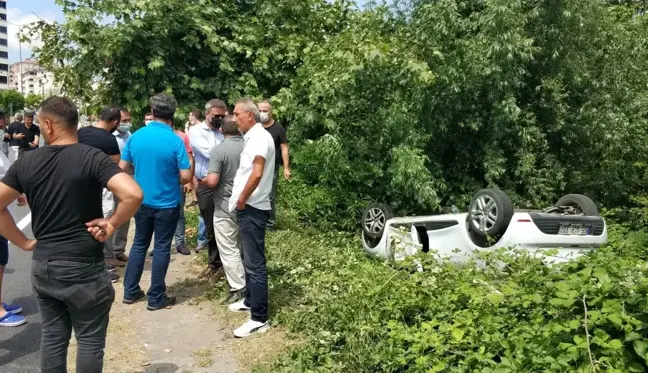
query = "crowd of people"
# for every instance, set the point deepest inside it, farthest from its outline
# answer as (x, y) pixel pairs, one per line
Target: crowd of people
(84, 186)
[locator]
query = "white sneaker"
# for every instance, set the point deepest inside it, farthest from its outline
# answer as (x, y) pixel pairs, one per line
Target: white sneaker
(238, 306)
(250, 327)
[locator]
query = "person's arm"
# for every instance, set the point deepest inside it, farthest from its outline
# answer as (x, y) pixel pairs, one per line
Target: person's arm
(112, 149)
(10, 189)
(215, 165)
(182, 160)
(253, 181)
(199, 141)
(126, 190)
(126, 161)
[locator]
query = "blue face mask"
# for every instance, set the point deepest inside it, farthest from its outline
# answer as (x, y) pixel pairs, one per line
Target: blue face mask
(124, 127)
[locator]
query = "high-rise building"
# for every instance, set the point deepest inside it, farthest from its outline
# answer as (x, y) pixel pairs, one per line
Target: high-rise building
(4, 47)
(29, 77)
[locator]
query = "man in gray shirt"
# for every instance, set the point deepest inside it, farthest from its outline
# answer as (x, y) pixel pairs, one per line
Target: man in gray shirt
(223, 164)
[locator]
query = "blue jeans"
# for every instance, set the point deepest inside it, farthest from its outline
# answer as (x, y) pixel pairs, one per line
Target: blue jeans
(202, 232)
(150, 220)
(252, 227)
(179, 235)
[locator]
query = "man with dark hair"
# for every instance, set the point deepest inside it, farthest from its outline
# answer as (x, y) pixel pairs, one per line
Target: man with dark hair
(13, 143)
(161, 167)
(100, 136)
(195, 117)
(281, 154)
(204, 136)
(148, 118)
(251, 201)
(25, 135)
(223, 164)
(63, 182)
(179, 236)
(117, 243)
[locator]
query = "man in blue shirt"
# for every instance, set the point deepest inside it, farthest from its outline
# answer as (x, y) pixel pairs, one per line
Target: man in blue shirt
(161, 166)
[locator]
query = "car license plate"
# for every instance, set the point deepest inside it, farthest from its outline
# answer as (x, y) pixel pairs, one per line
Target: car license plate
(574, 229)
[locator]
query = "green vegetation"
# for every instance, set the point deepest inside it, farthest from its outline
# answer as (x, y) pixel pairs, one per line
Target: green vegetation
(417, 104)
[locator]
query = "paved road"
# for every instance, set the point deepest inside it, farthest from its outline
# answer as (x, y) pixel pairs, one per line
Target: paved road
(19, 346)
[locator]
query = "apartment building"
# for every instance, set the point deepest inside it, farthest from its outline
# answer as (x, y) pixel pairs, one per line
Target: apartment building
(4, 47)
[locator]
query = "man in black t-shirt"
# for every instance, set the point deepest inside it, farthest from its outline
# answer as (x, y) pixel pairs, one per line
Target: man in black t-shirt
(281, 153)
(25, 135)
(100, 136)
(63, 182)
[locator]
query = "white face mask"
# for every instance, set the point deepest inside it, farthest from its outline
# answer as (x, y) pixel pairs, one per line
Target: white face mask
(147, 122)
(265, 117)
(124, 127)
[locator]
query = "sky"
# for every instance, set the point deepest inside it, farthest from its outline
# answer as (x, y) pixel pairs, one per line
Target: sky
(21, 12)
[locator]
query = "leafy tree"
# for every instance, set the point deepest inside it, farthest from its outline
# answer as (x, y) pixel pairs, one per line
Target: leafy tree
(33, 100)
(197, 50)
(11, 101)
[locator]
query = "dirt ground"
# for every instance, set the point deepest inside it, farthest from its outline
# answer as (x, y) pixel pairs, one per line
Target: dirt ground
(185, 338)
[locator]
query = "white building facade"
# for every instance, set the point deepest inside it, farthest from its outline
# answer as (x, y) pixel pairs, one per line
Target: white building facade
(29, 77)
(4, 47)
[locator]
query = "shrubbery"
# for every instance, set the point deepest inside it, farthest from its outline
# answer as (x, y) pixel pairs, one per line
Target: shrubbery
(360, 315)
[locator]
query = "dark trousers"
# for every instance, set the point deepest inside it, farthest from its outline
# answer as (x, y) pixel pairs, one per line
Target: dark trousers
(252, 226)
(206, 206)
(163, 223)
(72, 295)
(273, 198)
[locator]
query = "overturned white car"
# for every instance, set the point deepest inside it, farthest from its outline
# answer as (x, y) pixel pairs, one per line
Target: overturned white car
(572, 227)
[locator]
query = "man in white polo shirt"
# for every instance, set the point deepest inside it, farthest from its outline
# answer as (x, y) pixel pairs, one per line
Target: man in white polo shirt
(251, 199)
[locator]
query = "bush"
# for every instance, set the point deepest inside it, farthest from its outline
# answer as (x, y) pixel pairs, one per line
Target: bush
(360, 315)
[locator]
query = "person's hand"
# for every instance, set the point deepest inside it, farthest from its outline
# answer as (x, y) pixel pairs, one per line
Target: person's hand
(19, 136)
(100, 229)
(240, 205)
(287, 173)
(188, 188)
(22, 200)
(32, 144)
(30, 246)
(7, 136)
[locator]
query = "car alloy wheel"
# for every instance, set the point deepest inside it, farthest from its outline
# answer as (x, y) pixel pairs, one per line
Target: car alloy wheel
(374, 221)
(484, 214)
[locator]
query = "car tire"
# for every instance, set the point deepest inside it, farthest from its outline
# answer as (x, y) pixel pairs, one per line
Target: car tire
(374, 219)
(490, 213)
(583, 203)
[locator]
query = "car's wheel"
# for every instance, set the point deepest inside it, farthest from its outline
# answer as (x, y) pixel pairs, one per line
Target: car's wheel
(580, 202)
(490, 212)
(374, 219)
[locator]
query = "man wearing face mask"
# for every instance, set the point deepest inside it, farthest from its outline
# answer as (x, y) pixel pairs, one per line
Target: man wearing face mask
(100, 137)
(281, 154)
(203, 137)
(117, 243)
(148, 118)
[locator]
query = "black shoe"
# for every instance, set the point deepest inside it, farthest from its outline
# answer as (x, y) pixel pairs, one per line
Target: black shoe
(181, 249)
(168, 301)
(114, 277)
(110, 267)
(151, 253)
(234, 296)
(138, 297)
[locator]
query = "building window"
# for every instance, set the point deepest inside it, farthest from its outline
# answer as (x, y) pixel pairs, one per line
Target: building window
(3, 17)
(3, 29)
(4, 54)
(3, 42)
(3, 80)
(4, 67)
(3, 4)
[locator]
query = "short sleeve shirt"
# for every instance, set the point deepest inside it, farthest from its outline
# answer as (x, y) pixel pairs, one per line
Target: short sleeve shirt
(99, 138)
(63, 185)
(185, 139)
(224, 160)
(158, 155)
(30, 135)
(278, 137)
(258, 143)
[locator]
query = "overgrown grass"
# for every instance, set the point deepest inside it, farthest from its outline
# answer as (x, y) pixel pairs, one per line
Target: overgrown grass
(355, 314)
